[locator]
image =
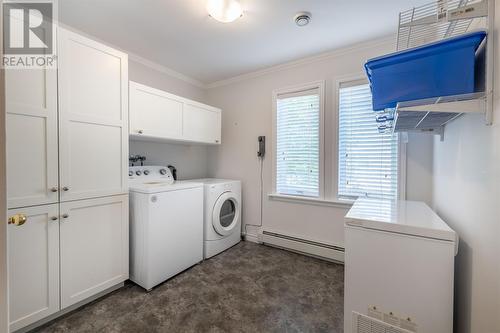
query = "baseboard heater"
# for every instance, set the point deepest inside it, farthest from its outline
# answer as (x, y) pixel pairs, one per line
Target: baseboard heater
(303, 246)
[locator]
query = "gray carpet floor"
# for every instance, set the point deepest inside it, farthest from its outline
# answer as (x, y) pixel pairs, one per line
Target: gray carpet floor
(248, 288)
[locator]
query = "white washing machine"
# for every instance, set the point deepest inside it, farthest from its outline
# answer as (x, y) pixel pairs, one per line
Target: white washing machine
(222, 217)
(166, 225)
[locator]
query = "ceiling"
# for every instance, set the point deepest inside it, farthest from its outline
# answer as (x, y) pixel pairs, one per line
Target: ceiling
(179, 34)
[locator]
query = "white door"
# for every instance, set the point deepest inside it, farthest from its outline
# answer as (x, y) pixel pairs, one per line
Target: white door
(33, 265)
(31, 125)
(93, 118)
(155, 113)
(94, 246)
(202, 123)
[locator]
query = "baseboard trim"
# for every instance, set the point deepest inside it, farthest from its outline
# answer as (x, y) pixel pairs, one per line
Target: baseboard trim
(303, 246)
(251, 238)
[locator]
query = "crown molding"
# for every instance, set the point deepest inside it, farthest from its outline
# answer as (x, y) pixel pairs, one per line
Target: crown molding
(140, 60)
(250, 75)
(166, 70)
(304, 61)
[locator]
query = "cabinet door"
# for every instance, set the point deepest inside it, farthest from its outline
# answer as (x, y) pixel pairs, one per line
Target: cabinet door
(155, 113)
(94, 246)
(93, 116)
(31, 124)
(202, 123)
(33, 265)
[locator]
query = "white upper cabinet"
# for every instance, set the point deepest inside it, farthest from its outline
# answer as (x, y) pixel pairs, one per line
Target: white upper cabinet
(33, 265)
(31, 119)
(158, 115)
(93, 118)
(201, 123)
(94, 246)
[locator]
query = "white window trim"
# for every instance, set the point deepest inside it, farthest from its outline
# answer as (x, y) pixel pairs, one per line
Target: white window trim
(346, 204)
(320, 85)
(403, 139)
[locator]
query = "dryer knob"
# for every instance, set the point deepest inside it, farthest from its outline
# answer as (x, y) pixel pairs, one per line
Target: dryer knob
(138, 172)
(163, 172)
(130, 173)
(146, 172)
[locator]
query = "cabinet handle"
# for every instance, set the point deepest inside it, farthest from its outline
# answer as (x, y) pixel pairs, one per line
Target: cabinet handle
(65, 216)
(65, 189)
(216, 141)
(18, 220)
(54, 218)
(54, 189)
(140, 131)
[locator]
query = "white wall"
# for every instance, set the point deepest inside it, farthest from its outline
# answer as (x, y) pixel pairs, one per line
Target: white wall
(467, 197)
(146, 74)
(247, 113)
(190, 160)
(419, 166)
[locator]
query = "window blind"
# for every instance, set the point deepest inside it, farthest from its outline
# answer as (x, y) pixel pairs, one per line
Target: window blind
(368, 160)
(298, 143)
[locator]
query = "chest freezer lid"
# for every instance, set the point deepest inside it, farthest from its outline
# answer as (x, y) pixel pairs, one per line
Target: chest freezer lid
(404, 217)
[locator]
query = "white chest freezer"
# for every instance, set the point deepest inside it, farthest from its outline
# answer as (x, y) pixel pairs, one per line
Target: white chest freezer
(399, 268)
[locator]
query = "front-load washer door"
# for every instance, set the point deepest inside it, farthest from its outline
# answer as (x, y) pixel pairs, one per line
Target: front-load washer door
(226, 214)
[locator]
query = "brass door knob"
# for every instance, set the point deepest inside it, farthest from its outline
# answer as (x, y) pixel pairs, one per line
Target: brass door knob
(65, 216)
(18, 219)
(54, 189)
(65, 189)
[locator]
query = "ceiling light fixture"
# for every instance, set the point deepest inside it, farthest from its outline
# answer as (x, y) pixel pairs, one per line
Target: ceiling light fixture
(302, 18)
(224, 10)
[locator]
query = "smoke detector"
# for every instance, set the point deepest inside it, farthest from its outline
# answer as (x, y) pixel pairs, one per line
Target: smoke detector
(302, 18)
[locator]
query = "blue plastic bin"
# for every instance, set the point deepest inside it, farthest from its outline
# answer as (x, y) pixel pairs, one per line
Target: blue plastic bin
(439, 69)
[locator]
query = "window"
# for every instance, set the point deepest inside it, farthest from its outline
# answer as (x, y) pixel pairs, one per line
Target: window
(298, 141)
(368, 160)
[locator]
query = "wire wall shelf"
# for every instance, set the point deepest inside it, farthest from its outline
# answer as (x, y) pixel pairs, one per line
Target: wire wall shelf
(439, 20)
(430, 23)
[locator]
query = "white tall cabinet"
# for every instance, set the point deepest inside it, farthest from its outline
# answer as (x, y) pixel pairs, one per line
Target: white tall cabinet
(94, 246)
(67, 149)
(31, 119)
(33, 250)
(93, 118)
